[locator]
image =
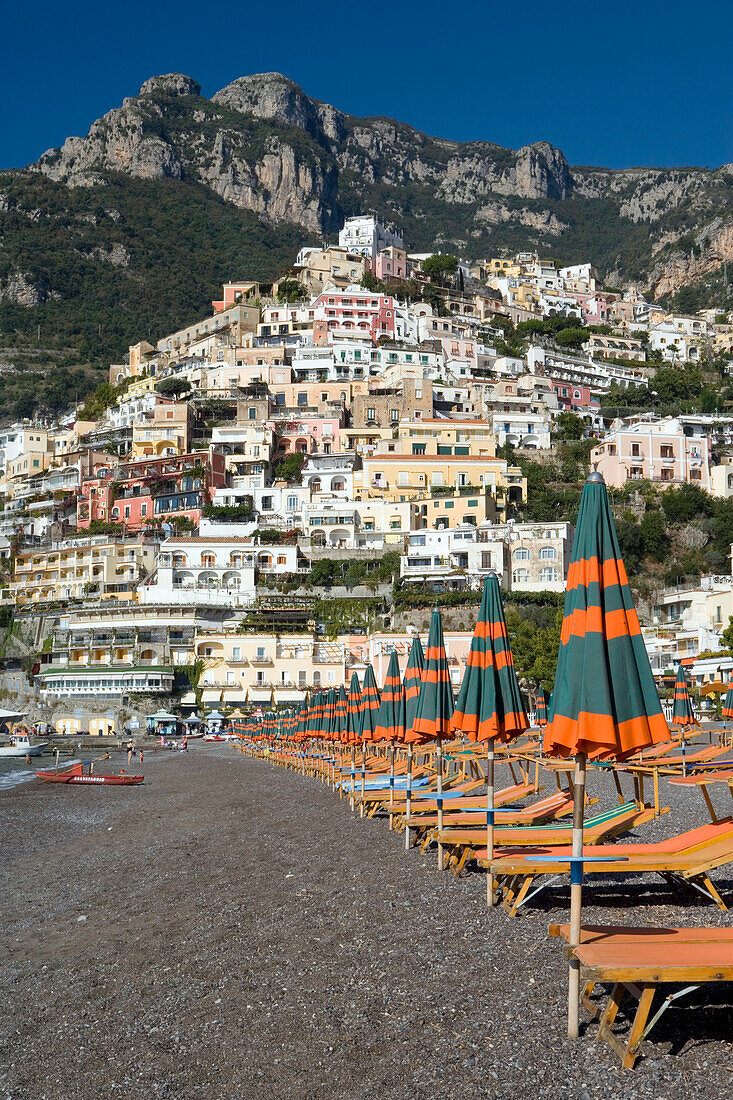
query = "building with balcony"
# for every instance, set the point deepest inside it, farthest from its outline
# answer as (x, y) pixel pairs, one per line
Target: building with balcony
(656, 450)
(91, 568)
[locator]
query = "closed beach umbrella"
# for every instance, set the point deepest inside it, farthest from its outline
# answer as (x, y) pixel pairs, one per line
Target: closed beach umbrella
(391, 718)
(540, 716)
(342, 704)
(369, 705)
(682, 710)
(353, 726)
(490, 706)
(368, 711)
(412, 683)
(605, 700)
(434, 717)
(728, 701)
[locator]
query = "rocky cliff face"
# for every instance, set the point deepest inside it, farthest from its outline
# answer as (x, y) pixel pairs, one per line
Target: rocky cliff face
(263, 145)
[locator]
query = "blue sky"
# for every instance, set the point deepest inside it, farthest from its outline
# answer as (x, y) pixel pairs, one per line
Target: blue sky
(643, 83)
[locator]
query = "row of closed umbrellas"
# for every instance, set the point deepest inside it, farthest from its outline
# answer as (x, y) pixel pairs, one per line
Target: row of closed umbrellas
(604, 704)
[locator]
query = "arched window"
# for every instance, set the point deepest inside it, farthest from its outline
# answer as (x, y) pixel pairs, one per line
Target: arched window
(208, 561)
(520, 576)
(548, 553)
(521, 554)
(548, 573)
(264, 561)
(315, 484)
(115, 513)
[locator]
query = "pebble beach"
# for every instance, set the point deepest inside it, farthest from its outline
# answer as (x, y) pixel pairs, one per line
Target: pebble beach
(229, 929)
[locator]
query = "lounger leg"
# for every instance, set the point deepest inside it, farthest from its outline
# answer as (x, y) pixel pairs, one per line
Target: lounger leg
(521, 895)
(637, 1028)
(708, 884)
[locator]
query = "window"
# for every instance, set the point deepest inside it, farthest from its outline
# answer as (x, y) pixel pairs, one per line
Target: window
(260, 653)
(394, 415)
(485, 559)
(548, 573)
(521, 554)
(635, 450)
(667, 451)
(281, 559)
(236, 653)
(548, 553)
(127, 511)
(252, 412)
(143, 509)
(302, 398)
(371, 414)
(417, 540)
(520, 576)
(260, 676)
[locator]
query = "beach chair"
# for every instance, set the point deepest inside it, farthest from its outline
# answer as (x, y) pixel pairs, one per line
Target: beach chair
(470, 813)
(685, 859)
(464, 844)
(636, 962)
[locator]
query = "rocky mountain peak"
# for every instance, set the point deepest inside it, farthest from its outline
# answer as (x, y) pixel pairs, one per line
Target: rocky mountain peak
(170, 84)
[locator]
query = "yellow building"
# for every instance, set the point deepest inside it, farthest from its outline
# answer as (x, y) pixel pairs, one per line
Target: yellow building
(83, 568)
(405, 477)
(260, 668)
(446, 437)
(163, 431)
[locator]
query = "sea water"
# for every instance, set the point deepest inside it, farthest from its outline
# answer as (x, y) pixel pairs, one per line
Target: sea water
(14, 770)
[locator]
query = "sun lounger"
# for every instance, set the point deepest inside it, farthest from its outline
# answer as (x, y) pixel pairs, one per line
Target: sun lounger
(636, 962)
(464, 843)
(684, 859)
(456, 816)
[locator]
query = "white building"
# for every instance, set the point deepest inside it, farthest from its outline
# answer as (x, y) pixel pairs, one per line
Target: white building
(365, 234)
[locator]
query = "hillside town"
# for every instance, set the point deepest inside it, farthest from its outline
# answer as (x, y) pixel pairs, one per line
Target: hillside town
(263, 502)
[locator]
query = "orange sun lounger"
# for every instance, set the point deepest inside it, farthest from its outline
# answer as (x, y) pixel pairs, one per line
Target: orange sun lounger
(636, 962)
(685, 859)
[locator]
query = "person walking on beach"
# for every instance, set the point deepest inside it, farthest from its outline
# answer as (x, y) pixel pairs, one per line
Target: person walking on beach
(130, 751)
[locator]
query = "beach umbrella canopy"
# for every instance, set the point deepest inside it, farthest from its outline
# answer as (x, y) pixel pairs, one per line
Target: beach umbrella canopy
(391, 718)
(605, 701)
(490, 706)
(369, 705)
(434, 716)
(541, 708)
(682, 710)
(413, 681)
(353, 716)
(728, 701)
(329, 714)
(340, 715)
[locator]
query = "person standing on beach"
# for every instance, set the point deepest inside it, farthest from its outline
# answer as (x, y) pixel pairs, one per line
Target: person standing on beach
(130, 751)
(140, 752)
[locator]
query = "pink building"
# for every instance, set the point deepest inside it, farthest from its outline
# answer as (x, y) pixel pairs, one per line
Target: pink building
(570, 396)
(390, 263)
(309, 435)
(354, 311)
(653, 450)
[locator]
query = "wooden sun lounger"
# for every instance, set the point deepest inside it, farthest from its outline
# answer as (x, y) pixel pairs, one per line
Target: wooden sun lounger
(457, 816)
(636, 962)
(380, 797)
(684, 859)
(464, 843)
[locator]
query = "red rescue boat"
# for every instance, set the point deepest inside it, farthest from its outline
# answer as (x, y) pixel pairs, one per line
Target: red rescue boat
(76, 774)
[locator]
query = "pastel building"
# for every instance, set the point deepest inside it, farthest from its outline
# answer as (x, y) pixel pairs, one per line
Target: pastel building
(653, 450)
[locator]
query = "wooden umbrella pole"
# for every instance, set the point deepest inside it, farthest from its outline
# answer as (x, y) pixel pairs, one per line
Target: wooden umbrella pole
(490, 900)
(408, 799)
(439, 767)
(363, 777)
(391, 782)
(576, 894)
(352, 790)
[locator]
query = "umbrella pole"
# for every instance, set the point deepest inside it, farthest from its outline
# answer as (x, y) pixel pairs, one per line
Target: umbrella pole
(408, 799)
(490, 900)
(576, 891)
(439, 766)
(353, 776)
(363, 777)
(391, 783)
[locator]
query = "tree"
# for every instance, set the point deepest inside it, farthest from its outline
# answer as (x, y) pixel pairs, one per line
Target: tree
(290, 468)
(654, 536)
(569, 426)
(726, 637)
(291, 290)
(322, 572)
(173, 387)
(440, 265)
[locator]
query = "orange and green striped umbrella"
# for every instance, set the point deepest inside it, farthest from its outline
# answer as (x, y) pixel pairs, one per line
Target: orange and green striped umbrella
(369, 705)
(339, 728)
(490, 706)
(434, 715)
(329, 714)
(682, 710)
(391, 718)
(353, 716)
(540, 714)
(605, 700)
(413, 682)
(728, 701)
